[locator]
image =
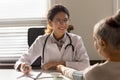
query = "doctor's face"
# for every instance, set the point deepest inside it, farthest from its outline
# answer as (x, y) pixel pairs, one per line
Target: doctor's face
(60, 23)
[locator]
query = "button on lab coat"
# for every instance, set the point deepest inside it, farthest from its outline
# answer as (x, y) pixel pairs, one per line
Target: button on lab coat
(78, 59)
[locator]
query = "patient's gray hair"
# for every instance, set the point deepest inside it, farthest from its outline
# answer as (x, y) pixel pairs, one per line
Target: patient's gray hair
(109, 30)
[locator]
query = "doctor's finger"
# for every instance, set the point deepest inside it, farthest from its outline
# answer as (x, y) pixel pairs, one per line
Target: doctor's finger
(25, 68)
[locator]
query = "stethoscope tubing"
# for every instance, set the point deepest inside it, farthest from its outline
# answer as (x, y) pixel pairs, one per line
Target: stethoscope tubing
(70, 44)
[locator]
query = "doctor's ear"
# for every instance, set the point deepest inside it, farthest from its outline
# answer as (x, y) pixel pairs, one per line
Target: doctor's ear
(50, 23)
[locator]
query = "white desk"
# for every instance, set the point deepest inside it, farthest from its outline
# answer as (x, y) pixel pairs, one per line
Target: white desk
(11, 74)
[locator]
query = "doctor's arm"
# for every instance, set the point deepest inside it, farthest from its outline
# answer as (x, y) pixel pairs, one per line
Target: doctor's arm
(81, 58)
(52, 65)
(24, 62)
(80, 61)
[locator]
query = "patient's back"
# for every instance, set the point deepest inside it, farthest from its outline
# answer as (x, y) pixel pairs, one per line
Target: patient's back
(106, 71)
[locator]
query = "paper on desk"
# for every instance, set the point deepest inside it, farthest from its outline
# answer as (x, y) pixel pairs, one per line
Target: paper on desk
(48, 75)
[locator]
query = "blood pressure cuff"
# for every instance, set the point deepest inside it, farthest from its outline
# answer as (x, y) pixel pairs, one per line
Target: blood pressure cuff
(77, 75)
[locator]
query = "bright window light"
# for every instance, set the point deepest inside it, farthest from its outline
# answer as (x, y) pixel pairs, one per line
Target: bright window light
(16, 16)
(23, 8)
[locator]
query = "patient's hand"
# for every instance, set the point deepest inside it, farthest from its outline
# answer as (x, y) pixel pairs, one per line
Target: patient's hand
(60, 68)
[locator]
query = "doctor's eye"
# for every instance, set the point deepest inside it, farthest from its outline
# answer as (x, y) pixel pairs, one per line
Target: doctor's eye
(60, 21)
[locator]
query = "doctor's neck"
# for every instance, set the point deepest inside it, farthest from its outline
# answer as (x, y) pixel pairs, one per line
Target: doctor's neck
(58, 36)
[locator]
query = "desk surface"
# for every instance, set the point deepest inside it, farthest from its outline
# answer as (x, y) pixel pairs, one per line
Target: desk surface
(11, 74)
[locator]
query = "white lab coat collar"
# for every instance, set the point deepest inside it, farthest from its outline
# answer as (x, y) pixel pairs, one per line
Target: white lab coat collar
(54, 40)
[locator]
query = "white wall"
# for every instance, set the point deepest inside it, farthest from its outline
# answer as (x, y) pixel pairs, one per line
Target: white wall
(84, 15)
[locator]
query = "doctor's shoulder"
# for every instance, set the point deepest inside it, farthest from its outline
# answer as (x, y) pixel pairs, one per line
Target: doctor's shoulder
(42, 38)
(75, 37)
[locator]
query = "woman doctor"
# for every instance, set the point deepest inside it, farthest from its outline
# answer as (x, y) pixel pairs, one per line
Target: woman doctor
(57, 46)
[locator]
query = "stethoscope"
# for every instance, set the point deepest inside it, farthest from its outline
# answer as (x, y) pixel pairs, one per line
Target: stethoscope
(70, 44)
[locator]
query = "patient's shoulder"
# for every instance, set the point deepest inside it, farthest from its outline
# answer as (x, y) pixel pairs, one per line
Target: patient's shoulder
(93, 71)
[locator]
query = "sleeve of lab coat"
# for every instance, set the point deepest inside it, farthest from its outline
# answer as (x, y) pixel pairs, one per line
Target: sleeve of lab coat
(34, 51)
(81, 59)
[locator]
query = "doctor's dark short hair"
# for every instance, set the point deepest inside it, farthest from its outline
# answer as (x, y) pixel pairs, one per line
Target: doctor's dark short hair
(109, 30)
(56, 9)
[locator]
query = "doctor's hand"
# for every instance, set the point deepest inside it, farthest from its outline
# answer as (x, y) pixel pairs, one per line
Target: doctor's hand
(25, 68)
(52, 65)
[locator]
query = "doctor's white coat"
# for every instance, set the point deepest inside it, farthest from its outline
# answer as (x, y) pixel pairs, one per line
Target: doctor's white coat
(77, 60)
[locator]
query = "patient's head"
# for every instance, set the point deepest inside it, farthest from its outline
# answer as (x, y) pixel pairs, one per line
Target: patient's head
(106, 36)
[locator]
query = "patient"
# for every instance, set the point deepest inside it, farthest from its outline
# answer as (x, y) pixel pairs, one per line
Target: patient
(106, 36)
